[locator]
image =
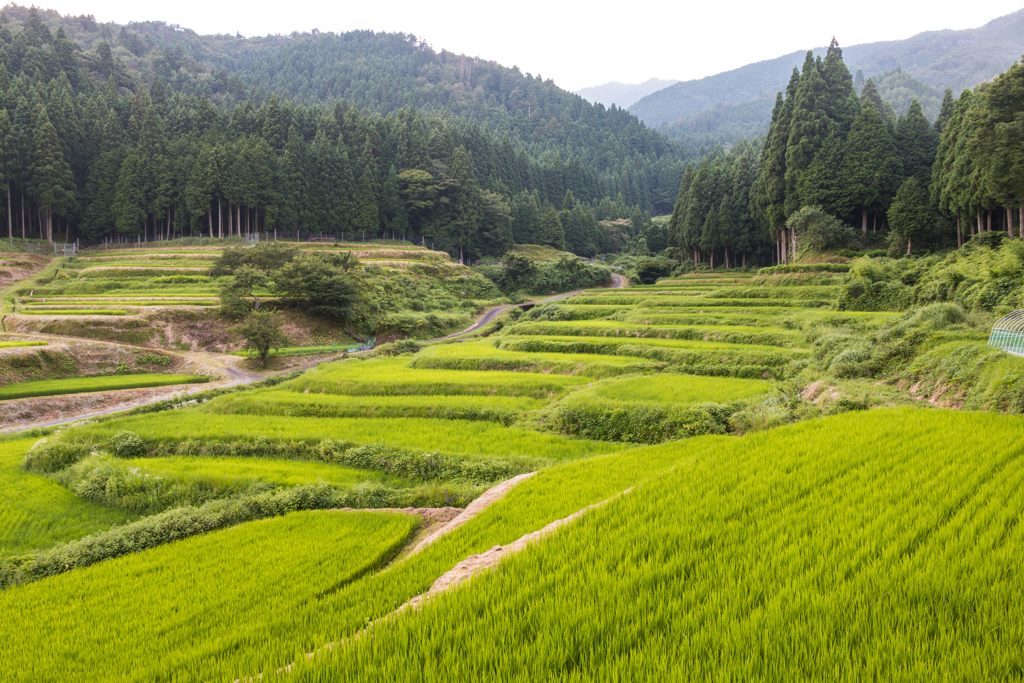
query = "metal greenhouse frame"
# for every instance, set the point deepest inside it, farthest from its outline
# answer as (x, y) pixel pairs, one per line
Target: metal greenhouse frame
(1008, 333)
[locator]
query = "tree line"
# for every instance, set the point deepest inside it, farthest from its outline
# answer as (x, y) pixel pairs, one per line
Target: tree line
(82, 155)
(832, 157)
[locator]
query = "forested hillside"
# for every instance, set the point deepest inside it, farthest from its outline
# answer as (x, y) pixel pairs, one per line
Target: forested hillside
(832, 159)
(152, 130)
(929, 62)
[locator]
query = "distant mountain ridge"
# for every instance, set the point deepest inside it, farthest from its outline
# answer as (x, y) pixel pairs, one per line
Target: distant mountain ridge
(623, 94)
(947, 58)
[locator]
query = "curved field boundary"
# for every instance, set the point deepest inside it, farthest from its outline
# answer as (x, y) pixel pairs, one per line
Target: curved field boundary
(460, 573)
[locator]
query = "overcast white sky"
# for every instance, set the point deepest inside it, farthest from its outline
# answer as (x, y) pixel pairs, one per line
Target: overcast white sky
(579, 44)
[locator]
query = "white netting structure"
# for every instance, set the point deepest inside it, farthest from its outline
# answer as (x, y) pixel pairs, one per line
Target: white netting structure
(65, 250)
(1008, 333)
(252, 239)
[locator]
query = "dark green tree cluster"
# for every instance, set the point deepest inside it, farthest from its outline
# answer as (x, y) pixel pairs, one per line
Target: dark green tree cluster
(829, 148)
(146, 136)
(978, 175)
(712, 222)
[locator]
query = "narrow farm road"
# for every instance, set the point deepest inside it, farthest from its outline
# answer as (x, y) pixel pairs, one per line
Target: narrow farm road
(491, 313)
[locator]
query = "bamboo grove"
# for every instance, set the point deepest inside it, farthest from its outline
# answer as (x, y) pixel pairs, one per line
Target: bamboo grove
(135, 140)
(836, 158)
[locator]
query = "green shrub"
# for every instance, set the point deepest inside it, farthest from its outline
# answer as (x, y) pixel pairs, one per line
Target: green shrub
(53, 454)
(126, 444)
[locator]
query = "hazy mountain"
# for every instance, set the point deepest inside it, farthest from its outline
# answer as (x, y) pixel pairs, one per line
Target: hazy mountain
(622, 94)
(899, 88)
(941, 59)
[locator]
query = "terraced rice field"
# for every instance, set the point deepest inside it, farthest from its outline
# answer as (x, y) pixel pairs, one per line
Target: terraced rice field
(82, 385)
(205, 598)
(36, 512)
(504, 409)
(229, 473)
(862, 546)
(878, 544)
(18, 344)
(464, 437)
(394, 377)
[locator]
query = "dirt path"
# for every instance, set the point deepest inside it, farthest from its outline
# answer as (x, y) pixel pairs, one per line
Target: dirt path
(488, 498)
(105, 403)
(491, 313)
(474, 564)
(460, 573)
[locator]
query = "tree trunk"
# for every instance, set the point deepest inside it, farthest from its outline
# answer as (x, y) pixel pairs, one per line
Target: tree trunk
(1009, 223)
(793, 235)
(712, 259)
(979, 221)
(744, 259)
(220, 220)
(864, 220)
(988, 221)
(874, 224)
(909, 240)
(785, 247)
(10, 225)
(210, 214)
(959, 233)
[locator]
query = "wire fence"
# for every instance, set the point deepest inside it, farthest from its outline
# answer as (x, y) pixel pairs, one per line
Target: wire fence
(347, 239)
(25, 246)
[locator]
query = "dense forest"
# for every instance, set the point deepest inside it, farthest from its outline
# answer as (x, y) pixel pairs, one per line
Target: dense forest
(832, 159)
(149, 130)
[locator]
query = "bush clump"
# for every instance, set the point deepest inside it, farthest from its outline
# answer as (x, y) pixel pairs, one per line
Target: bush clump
(126, 444)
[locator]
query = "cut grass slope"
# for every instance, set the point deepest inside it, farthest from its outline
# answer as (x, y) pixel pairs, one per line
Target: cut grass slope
(227, 473)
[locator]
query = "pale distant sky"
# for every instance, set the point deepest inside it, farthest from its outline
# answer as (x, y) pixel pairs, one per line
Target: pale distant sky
(578, 44)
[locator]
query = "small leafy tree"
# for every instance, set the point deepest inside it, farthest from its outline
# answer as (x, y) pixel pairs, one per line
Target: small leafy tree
(235, 294)
(262, 332)
(816, 230)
